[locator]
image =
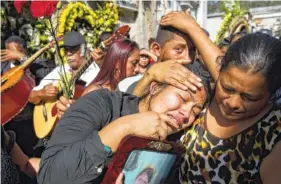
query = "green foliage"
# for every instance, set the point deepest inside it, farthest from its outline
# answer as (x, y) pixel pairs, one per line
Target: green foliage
(231, 10)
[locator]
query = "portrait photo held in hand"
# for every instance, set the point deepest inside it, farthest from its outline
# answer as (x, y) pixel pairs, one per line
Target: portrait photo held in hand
(144, 160)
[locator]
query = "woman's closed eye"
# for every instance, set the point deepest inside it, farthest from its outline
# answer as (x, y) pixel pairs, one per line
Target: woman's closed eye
(227, 89)
(249, 98)
(135, 62)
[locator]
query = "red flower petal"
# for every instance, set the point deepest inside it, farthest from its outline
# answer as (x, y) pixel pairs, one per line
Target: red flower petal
(18, 4)
(42, 8)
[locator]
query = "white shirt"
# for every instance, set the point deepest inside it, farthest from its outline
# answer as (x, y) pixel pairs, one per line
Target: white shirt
(127, 82)
(54, 76)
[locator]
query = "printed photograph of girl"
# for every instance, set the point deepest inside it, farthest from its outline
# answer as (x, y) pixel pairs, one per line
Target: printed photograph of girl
(143, 167)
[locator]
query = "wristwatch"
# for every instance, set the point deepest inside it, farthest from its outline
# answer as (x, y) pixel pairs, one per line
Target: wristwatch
(23, 58)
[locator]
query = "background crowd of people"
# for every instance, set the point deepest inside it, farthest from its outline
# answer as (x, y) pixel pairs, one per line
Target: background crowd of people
(220, 101)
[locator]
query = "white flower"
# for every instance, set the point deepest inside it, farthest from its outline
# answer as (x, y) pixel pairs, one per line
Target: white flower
(90, 34)
(88, 45)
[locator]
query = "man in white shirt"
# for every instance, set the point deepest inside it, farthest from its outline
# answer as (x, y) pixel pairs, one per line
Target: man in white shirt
(75, 51)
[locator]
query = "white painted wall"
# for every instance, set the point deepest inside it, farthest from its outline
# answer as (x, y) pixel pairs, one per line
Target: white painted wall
(202, 13)
(213, 26)
(140, 28)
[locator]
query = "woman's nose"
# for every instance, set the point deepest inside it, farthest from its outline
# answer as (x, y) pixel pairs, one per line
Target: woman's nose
(234, 102)
(185, 109)
(137, 69)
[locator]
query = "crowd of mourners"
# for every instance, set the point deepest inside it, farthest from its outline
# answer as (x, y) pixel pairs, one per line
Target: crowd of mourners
(221, 101)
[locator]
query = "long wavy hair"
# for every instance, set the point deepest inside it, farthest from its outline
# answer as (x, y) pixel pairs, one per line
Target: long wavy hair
(117, 54)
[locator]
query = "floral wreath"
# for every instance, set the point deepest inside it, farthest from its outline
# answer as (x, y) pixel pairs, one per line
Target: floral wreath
(229, 15)
(69, 16)
(99, 21)
(74, 16)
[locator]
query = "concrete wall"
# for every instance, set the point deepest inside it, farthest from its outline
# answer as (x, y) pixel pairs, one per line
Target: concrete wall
(144, 21)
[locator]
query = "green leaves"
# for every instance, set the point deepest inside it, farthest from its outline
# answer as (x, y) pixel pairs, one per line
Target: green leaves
(231, 10)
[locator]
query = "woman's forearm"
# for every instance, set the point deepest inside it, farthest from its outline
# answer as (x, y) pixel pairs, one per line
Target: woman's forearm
(28, 166)
(112, 134)
(32, 167)
(207, 49)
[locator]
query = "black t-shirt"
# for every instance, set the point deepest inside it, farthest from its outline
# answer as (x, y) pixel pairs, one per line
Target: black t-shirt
(40, 68)
(9, 174)
(75, 153)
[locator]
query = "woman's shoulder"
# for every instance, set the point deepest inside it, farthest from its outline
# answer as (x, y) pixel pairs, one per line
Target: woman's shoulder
(91, 87)
(105, 96)
(115, 101)
(96, 94)
(105, 93)
(272, 117)
(270, 128)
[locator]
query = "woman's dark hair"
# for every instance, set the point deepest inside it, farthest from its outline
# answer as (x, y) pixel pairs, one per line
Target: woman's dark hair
(257, 53)
(224, 42)
(238, 34)
(117, 53)
(197, 69)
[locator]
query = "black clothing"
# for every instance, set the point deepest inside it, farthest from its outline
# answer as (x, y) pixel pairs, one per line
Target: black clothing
(9, 174)
(75, 153)
(73, 39)
(40, 68)
(24, 130)
(203, 72)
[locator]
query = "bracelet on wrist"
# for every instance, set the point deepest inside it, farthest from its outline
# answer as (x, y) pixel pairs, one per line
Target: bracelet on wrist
(107, 149)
